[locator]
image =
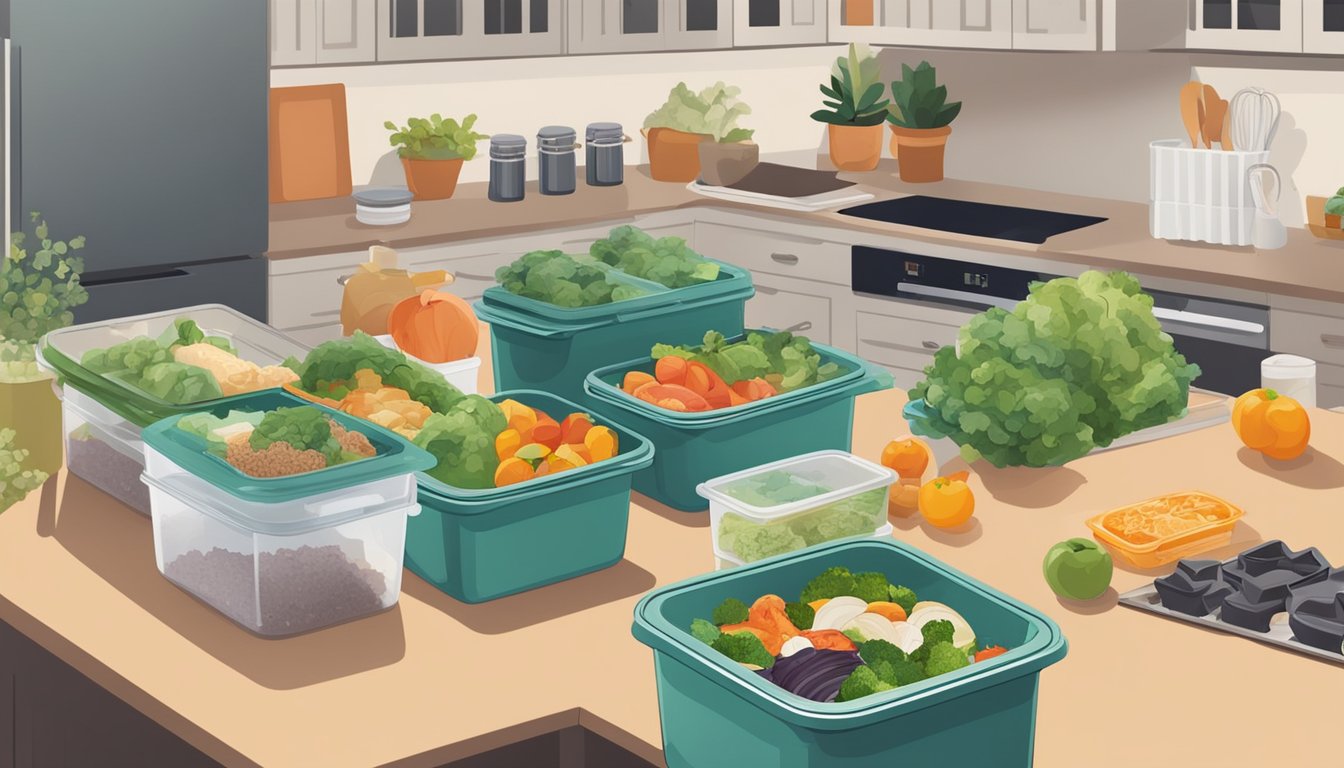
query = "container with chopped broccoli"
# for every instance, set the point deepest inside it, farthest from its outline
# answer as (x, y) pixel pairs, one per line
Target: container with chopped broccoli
(278, 443)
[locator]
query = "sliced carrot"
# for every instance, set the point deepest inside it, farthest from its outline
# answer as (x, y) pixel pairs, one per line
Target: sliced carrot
(735, 399)
(511, 471)
(888, 611)
(768, 613)
(655, 393)
(830, 639)
(815, 605)
(671, 370)
(507, 443)
(602, 443)
(520, 417)
(635, 379)
(547, 433)
(697, 378)
(574, 427)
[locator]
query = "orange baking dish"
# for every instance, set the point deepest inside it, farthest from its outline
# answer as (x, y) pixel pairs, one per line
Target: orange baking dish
(1166, 528)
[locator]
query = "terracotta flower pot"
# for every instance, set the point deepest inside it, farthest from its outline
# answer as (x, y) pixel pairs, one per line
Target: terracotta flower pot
(432, 179)
(674, 155)
(31, 409)
(724, 164)
(921, 152)
(855, 147)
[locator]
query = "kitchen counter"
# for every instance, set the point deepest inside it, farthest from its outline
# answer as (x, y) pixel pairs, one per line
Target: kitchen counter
(434, 680)
(1306, 268)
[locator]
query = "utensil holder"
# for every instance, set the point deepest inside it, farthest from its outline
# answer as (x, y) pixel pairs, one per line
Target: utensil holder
(1201, 194)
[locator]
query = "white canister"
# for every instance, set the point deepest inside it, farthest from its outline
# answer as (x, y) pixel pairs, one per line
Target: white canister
(1290, 375)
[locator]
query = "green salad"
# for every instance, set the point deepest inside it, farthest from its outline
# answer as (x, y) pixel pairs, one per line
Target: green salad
(149, 364)
(280, 442)
(785, 361)
(750, 540)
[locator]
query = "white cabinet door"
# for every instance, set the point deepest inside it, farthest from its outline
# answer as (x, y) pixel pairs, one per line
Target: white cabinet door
(345, 31)
(778, 22)
(1323, 26)
(292, 31)
(1056, 25)
(698, 24)
(632, 26)
(937, 23)
(1273, 26)
(782, 304)
(465, 29)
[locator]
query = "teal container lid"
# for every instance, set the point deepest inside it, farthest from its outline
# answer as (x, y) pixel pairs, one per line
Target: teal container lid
(662, 621)
(634, 452)
(395, 455)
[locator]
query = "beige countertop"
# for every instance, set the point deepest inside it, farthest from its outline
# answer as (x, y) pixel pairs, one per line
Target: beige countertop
(1306, 268)
(430, 680)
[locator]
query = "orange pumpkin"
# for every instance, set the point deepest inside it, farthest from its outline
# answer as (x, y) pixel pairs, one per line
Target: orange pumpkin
(436, 327)
(1273, 424)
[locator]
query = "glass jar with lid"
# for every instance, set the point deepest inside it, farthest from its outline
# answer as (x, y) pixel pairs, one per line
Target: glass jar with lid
(508, 167)
(556, 161)
(604, 154)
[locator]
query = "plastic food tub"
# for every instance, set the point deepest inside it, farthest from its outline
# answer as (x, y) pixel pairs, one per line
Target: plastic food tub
(1167, 530)
(535, 345)
(104, 417)
(836, 495)
(478, 545)
(460, 373)
(724, 561)
(716, 712)
(284, 555)
(695, 447)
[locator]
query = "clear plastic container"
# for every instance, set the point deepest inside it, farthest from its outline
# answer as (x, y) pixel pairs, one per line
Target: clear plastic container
(1167, 528)
(104, 449)
(796, 503)
(723, 562)
(282, 555)
(460, 373)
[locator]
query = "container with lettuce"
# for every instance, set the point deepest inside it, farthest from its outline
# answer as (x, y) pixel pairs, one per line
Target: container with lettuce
(1074, 366)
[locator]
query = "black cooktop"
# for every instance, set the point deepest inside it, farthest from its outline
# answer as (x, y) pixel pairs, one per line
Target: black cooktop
(1001, 222)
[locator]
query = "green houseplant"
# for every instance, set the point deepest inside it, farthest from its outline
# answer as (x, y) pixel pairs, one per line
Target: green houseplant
(855, 111)
(921, 120)
(730, 154)
(39, 288)
(687, 119)
(432, 152)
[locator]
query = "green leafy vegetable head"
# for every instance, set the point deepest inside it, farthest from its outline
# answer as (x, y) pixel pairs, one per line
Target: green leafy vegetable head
(704, 631)
(918, 101)
(744, 648)
(863, 681)
(870, 587)
(902, 596)
(944, 657)
(854, 96)
(800, 615)
(463, 440)
(563, 280)
(435, 138)
(332, 364)
(713, 111)
(873, 651)
(667, 261)
(1077, 364)
(730, 611)
(832, 582)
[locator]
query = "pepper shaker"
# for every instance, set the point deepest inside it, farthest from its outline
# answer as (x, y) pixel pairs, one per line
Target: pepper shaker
(555, 156)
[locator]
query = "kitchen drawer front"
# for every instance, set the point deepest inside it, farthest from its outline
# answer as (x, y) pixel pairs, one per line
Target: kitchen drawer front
(770, 252)
(901, 342)
(786, 308)
(1315, 336)
(307, 298)
(1329, 386)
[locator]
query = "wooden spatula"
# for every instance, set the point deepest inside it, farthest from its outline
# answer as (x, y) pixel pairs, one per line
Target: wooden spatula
(1192, 94)
(1214, 110)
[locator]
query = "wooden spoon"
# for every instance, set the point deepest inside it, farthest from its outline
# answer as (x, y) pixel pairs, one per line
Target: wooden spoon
(1212, 122)
(1226, 136)
(1191, 95)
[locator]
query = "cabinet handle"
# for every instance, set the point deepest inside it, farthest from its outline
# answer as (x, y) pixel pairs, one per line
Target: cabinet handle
(806, 325)
(761, 289)
(935, 346)
(343, 279)
(1332, 340)
(468, 276)
(784, 258)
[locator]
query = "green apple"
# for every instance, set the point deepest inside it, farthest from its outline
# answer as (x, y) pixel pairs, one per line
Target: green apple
(1078, 569)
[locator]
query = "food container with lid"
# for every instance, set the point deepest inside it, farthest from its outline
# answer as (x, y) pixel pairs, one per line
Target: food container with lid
(796, 503)
(724, 561)
(604, 154)
(555, 160)
(508, 168)
(289, 554)
(383, 206)
(104, 416)
(460, 373)
(1290, 375)
(1167, 528)
(715, 711)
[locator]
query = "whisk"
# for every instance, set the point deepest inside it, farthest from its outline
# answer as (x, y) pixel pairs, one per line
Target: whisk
(1255, 119)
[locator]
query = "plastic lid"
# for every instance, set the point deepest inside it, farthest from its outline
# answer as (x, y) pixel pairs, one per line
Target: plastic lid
(507, 145)
(812, 480)
(604, 132)
(556, 136)
(383, 197)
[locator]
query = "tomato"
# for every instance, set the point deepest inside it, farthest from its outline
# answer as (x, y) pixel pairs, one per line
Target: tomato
(947, 502)
(909, 457)
(1273, 424)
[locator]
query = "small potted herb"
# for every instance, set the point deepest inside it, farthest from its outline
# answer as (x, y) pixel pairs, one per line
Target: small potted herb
(855, 111)
(730, 154)
(432, 152)
(41, 275)
(675, 130)
(920, 120)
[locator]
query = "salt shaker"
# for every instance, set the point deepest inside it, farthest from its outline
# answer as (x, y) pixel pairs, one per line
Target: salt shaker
(508, 167)
(1292, 376)
(604, 154)
(555, 156)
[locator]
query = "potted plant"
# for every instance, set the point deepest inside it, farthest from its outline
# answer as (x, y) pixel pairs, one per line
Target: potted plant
(675, 130)
(39, 281)
(920, 120)
(730, 154)
(855, 111)
(432, 152)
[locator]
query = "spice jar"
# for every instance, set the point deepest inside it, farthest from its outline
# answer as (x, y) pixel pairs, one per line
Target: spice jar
(604, 154)
(508, 167)
(555, 156)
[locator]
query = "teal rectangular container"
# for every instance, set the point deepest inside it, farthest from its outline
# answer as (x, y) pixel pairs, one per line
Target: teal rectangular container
(479, 545)
(716, 712)
(535, 345)
(696, 447)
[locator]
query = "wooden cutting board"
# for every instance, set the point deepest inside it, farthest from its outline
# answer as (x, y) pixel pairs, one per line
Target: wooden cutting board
(309, 143)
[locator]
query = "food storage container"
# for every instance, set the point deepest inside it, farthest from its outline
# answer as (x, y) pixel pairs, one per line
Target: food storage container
(604, 154)
(535, 345)
(103, 416)
(1165, 529)
(717, 712)
(383, 206)
(508, 168)
(694, 447)
(795, 503)
(477, 545)
(724, 561)
(556, 164)
(282, 555)
(460, 373)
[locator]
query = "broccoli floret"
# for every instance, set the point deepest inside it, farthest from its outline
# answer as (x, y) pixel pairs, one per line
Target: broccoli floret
(832, 582)
(944, 657)
(801, 614)
(898, 673)
(744, 648)
(902, 596)
(730, 611)
(874, 651)
(303, 427)
(871, 587)
(935, 632)
(863, 681)
(704, 631)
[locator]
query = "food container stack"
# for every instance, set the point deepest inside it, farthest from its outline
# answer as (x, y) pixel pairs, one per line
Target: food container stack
(1199, 194)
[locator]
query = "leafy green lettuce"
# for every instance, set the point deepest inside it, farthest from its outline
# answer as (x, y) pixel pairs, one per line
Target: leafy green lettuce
(148, 365)
(463, 440)
(1077, 364)
(557, 278)
(788, 362)
(667, 261)
(329, 370)
(750, 541)
(713, 111)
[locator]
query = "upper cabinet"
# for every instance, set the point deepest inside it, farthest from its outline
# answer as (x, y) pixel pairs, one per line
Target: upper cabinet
(321, 31)
(613, 26)
(293, 26)
(1323, 26)
(463, 29)
(939, 23)
(778, 22)
(1056, 25)
(1274, 26)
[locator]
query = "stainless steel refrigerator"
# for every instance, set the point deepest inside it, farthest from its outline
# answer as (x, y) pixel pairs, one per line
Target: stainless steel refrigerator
(142, 125)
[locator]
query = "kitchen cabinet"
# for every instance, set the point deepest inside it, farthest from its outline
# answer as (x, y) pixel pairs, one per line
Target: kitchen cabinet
(902, 336)
(934, 23)
(307, 32)
(614, 26)
(1323, 26)
(1273, 26)
(293, 32)
(778, 22)
(465, 29)
(1097, 25)
(774, 252)
(785, 304)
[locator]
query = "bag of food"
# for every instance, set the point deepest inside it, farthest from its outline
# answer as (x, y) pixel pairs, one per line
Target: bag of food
(377, 286)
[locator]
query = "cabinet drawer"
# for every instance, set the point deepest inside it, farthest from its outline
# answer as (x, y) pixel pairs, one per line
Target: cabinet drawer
(776, 254)
(1316, 336)
(1329, 386)
(789, 310)
(901, 342)
(306, 298)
